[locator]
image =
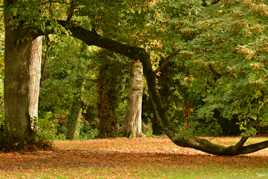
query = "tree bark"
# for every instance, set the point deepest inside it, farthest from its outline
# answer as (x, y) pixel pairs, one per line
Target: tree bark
(73, 122)
(133, 119)
(21, 84)
(107, 99)
(35, 77)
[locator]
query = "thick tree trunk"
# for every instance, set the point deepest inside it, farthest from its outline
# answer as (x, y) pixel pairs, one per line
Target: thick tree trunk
(107, 97)
(133, 119)
(21, 85)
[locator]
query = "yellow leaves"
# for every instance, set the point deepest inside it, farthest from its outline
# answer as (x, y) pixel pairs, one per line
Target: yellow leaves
(256, 65)
(207, 23)
(246, 52)
(263, 48)
(186, 54)
(152, 3)
(188, 79)
(261, 8)
(248, 3)
(237, 26)
(156, 44)
(257, 28)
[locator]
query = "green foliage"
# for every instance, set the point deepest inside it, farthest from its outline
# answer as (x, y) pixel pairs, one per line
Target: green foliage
(223, 74)
(232, 65)
(88, 131)
(48, 127)
(218, 60)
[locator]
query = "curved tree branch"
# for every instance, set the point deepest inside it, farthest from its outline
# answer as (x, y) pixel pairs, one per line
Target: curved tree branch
(92, 38)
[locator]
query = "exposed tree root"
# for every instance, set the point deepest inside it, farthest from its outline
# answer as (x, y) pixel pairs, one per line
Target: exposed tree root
(7, 145)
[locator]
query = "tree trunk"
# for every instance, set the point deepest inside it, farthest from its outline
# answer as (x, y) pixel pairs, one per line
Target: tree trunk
(21, 84)
(73, 122)
(107, 99)
(75, 113)
(133, 119)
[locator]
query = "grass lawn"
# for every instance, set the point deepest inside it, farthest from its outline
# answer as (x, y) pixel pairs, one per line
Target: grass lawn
(132, 158)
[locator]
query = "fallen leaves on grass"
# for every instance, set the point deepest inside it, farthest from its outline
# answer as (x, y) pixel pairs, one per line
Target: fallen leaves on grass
(122, 154)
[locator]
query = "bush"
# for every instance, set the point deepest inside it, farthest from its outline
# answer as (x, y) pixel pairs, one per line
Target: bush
(48, 127)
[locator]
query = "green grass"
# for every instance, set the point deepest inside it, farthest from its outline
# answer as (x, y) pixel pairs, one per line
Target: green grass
(205, 172)
(195, 172)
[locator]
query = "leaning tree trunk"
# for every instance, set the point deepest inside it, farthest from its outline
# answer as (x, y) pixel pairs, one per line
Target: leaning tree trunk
(75, 113)
(133, 126)
(73, 122)
(21, 84)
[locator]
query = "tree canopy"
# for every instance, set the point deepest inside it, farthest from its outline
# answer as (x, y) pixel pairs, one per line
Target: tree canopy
(213, 52)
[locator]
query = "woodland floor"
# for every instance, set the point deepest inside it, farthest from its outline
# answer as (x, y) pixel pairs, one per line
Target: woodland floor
(131, 158)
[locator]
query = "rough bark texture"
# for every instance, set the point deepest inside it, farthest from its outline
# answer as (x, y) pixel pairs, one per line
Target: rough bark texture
(22, 79)
(133, 118)
(107, 98)
(34, 83)
(92, 38)
(73, 122)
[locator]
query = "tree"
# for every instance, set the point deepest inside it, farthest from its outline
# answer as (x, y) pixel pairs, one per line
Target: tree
(68, 88)
(133, 118)
(75, 113)
(107, 84)
(162, 33)
(23, 51)
(92, 38)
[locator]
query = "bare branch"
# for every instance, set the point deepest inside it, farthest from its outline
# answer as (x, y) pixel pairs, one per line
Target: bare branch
(240, 143)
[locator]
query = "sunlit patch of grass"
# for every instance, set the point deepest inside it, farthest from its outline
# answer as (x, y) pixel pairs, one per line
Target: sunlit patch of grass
(204, 172)
(196, 172)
